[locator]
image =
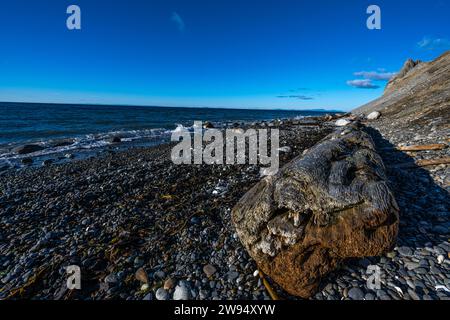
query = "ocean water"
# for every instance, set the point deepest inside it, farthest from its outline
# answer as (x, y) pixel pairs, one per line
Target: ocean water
(90, 127)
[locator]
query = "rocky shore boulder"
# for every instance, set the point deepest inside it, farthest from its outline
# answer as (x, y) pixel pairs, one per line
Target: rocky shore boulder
(116, 139)
(28, 148)
(330, 204)
(374, 115)
(62, 143)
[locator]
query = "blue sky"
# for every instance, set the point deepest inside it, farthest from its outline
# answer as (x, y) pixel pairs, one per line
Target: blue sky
(213, 53)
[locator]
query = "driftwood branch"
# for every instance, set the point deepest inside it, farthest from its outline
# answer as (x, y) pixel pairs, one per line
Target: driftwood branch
(423, 163)
(436, 146)
(273, 295)
(427, 147)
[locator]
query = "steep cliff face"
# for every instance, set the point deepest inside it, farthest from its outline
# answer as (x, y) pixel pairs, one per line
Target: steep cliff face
(397, 81)
(419, 94)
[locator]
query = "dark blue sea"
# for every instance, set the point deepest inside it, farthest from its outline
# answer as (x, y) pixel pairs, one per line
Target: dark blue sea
(88, 127)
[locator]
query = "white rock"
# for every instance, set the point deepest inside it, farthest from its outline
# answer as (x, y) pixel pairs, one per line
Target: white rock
(440, 259)
(442, 287)
(342, 122)
(181, 292)
(374, 115)
(398, 289)
(285, 149)
(265, 172)
(256, 273)
(162, 294)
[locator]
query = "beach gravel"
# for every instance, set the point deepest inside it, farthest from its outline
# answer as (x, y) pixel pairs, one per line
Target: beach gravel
(117, 213)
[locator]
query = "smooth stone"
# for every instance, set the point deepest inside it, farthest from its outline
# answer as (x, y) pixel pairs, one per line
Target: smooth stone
(169, 284)
(159, 275)
(342, 122)
(162, 294)
(195, 220)
(413, 294)
(356, 294)
(148, 297)
(181, 292)
(391, 255)
(285, 149)
(141, 275)
(405, 251)
(369, 296)
(209, 270)
(374, 115)
(410, 284)
(411, 265)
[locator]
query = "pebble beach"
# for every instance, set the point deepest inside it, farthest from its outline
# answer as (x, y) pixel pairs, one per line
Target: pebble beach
(142, 228)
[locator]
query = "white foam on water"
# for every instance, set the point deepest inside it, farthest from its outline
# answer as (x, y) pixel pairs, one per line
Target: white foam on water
(89, 141)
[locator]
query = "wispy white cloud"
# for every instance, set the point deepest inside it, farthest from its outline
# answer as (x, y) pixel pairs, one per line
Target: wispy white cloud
(362, 84)
(179, 22)
(428, 43)
(367, 78)
(299, 97)
(374, 75)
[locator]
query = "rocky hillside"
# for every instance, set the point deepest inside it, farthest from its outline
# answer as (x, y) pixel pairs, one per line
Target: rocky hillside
(418, 95)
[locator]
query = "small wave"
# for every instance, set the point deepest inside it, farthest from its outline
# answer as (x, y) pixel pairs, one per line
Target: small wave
(180, 128)
(89, 141)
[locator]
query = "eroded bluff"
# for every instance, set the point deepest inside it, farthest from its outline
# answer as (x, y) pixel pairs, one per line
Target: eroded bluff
(330, 204)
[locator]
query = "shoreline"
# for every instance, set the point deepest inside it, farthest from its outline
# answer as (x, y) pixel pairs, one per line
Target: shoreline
(66, 149)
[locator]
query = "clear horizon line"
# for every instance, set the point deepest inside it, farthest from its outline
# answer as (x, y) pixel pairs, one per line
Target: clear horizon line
(186, 107)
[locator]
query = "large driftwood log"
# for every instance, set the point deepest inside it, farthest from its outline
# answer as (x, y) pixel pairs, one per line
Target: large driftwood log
(330, 204)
